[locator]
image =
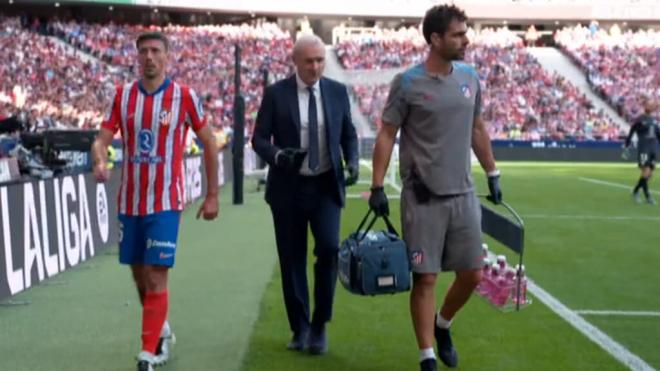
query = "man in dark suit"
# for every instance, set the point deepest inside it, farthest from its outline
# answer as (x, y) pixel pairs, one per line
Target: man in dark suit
(303, 128)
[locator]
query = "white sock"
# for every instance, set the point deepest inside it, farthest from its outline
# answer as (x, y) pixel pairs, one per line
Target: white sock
(166, 331)
(441, 322)
(426, 354)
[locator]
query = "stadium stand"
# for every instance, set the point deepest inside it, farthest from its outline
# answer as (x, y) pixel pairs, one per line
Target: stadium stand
(264, 46)
(620, 66)
(521, 100)
(62, 89)
(53, 86)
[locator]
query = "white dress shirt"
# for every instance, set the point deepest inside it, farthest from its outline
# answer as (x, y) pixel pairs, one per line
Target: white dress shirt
(303, 106)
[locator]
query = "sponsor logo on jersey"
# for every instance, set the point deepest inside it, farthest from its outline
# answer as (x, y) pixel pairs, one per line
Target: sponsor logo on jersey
(146, 140)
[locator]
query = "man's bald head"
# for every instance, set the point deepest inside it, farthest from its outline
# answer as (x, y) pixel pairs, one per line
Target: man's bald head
(307, 41)
(309, 58)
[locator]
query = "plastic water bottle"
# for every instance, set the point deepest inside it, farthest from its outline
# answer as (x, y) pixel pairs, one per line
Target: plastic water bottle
(482, 288)
(484, 252)
(508, 286)
(501, 261)
(492, 282)
(520, 271)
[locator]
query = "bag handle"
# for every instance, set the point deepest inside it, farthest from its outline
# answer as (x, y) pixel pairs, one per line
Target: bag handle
(390, 227)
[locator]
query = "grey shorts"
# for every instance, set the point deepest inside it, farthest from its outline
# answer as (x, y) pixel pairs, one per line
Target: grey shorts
(443, 234)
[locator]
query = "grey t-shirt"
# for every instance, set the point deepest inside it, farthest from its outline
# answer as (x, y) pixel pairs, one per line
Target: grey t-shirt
(436, 115)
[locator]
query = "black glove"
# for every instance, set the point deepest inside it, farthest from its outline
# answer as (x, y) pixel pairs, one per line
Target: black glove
(495, 195)
(353, 175)
(290, 159)
(378, 201)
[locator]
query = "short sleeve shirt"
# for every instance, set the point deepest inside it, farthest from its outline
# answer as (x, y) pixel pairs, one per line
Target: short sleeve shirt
(436, 116)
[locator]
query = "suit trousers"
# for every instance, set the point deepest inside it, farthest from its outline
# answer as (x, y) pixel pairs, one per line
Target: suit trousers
(313, 207)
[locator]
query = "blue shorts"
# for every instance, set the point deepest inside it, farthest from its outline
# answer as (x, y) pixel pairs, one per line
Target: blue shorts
(149, 239)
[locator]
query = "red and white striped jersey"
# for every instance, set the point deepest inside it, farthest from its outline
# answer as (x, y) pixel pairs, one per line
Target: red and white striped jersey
(153, 129)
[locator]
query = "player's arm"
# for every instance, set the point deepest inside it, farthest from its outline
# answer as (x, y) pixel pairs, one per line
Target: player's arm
(381, 158)
(484, 152)
(482, 147)
(633, 130)
(109, 127)
(100, 154)
(383, 152)
(210, 206)
(394, 115)
(207, 138)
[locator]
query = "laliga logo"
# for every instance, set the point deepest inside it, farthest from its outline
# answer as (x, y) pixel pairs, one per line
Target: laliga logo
(150, 243)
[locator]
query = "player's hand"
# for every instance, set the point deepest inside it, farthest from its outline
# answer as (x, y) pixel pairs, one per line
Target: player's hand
(209, 208)
(495, 195)
(101, 172)
(290, 159)
(378, 201)
(353, 175)
(625, 154)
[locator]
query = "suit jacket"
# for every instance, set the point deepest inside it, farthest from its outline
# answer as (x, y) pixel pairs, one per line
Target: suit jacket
(278, 127)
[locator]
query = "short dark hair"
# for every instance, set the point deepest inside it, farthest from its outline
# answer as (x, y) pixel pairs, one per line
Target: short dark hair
(153, 36)
(438, 18)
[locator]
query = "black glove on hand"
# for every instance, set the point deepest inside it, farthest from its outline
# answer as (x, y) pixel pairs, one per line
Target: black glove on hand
(378, 201)
(290, 159)
(495, 195)
(353, 175)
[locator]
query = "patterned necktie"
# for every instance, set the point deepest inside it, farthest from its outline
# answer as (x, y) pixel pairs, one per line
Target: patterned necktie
(313, 154)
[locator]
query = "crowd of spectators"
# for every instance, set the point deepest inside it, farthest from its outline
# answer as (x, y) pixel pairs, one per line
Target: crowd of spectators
(377, 48)
(203, 58)
(51, 85)
(381, 48)
(520, 99)
(623, 67)
(57, 87)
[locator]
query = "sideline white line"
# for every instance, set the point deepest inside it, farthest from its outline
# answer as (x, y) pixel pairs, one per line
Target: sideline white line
(616, 185)
(590, 217)
(618, 351)
(627, 313)
(353, 195)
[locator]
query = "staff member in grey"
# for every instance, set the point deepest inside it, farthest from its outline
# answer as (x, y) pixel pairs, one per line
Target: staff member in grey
(437, 107)
(305, 132)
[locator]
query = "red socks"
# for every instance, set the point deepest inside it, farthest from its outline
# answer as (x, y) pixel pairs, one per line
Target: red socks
(154, 314)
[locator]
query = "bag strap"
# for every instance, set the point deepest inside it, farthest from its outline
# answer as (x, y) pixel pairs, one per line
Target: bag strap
(390, 227)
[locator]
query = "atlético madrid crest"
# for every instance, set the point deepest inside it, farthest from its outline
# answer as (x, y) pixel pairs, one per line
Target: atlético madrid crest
(465, 90)
(417, 257)
(165, 117)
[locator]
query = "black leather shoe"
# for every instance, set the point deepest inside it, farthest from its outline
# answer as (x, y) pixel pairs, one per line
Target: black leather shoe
(428, 364)
(317, 342)
(446, 351)
(298, 341)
